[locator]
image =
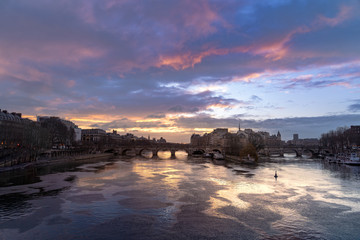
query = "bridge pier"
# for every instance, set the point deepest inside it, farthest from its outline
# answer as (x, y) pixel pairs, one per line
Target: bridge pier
(155, 153)
(173, 154)
(281, 153)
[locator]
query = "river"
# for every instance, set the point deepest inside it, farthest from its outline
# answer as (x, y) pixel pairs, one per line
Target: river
(141, 198)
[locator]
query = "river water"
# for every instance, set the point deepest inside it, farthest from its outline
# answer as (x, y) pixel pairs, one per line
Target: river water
(140, 198)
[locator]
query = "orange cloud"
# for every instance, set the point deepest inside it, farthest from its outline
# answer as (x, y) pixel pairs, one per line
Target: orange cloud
(219, 105)
(279, 49)
(186, 60)
(247, 78)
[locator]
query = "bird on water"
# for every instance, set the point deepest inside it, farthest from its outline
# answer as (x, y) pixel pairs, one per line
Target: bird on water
(275, 176)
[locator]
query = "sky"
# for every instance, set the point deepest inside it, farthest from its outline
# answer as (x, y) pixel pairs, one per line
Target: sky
(173, 68)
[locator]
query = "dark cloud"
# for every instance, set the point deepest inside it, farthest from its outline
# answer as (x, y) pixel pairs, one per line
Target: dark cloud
(126, 124)
(307, 126)
(156, 116)
(255, 98)
(135, 59)
(355, 107)
(181, 109)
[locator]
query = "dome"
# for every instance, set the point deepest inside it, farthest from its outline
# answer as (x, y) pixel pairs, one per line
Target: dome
(9, 117)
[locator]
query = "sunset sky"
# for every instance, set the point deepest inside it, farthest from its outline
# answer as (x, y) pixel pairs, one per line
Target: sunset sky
(173, 68)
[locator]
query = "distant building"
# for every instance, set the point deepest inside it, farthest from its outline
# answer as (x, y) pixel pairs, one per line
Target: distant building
(355, 130)
(295, 137)
(77, 137)
(161, 140)
(353, 135)
(231, 143)
(114, 135)
(303, 142)
(92, 135)
(11, 129)
(274, 140)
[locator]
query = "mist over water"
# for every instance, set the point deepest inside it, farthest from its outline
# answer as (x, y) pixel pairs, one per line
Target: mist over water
(164, 198)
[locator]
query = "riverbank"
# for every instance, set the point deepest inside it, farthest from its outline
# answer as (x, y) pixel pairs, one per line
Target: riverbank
(46, 162)
(237, 159)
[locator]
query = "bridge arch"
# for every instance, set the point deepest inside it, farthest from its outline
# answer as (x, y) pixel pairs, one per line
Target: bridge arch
(198, 151)
(143, 150)
(216, 150)
(156, 152)
(126, 150)
(182, 150)
(311, 151)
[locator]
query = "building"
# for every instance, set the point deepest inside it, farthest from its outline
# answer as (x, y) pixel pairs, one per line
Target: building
(92, 135)
(231, 143)
(11, 129)
(303, 142)
(295, 137)
(274, 140)
(114, 136)
(353, 135)
(18, 132)
(161, 140)
(355, 130)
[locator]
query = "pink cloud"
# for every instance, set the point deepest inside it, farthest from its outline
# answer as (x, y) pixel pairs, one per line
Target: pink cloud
(70, 83)
(343, 84)
(345, 13)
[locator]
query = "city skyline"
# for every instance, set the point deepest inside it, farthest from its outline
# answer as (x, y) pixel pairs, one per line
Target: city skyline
(173, 68)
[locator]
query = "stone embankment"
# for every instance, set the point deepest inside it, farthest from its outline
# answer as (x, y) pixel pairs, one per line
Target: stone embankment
(58, 160)
(237, 159)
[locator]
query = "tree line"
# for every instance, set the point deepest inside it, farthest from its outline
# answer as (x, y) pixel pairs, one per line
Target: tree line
(340, 140)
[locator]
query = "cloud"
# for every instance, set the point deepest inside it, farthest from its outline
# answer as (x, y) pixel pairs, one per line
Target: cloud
(344, 13)
(255, 98)
(156, 116)
(98, 60)
(355, 107)
(179, 109)
(308, 127)
(126, 124)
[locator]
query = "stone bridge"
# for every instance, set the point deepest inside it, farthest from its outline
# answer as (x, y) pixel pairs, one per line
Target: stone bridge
(138, 149)
(297, 149)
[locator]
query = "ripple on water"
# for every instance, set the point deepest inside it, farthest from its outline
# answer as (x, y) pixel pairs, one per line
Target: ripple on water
(185, 199)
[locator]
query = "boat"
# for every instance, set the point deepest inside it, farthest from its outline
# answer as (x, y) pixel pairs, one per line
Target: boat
(218, 156)
(207, 155)
(353, 159)
(339, 158)
(330, 159)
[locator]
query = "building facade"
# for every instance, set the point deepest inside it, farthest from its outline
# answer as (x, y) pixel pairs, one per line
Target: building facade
(92, 135)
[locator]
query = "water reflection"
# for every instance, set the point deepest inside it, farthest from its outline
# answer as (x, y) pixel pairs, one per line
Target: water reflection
(184, 198)
(147, 153)
(181, 155)
(164, 154)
